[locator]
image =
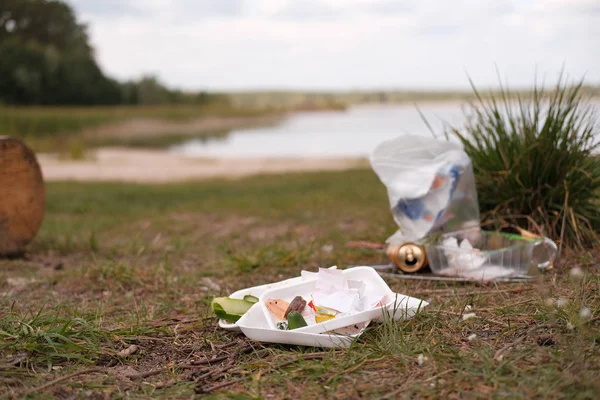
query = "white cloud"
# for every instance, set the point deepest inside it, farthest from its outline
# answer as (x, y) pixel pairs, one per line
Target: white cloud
(232, 44)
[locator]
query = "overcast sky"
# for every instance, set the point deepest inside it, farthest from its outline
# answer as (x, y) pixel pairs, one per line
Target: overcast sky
(343, 44)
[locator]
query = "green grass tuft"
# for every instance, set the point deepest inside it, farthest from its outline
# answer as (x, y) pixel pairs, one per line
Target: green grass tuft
(535, 160)
(49, 336)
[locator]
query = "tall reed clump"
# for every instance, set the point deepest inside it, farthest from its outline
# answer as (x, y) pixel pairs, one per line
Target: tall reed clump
(536, 160)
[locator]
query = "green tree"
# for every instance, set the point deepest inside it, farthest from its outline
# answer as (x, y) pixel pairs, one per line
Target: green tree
(25, 72)
(150, 91)
(45, 57)
(49, 23)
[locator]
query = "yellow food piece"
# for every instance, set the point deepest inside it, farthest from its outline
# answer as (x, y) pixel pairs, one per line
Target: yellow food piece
(325, 311)
(323, 317)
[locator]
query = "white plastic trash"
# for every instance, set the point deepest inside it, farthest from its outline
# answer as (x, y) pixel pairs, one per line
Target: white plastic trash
(255, 323)
(256, 291)
(430, 185)
(374, 286)
(485, 256)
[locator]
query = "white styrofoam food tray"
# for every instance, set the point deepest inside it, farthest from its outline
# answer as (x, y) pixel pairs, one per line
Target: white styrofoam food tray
(254, 325)
(373, 284)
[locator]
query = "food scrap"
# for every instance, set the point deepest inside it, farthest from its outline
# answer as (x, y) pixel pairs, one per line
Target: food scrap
(288, 314)
(282, 325)
(251, 299)
(333, 297)
(323, 313)
(297, 304)
(231, 310)
(295, 320)
(278, 308)
(350, 300)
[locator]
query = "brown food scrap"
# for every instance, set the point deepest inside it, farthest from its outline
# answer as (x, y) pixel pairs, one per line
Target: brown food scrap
(297, 304)
(277, 307)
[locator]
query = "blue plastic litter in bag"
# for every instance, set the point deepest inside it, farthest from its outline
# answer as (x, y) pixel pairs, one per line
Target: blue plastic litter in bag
(430, 185)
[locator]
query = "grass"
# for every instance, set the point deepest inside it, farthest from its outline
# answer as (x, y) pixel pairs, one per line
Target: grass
(154, 141)
(54, 128)
(50, 337)
(117, 265)
(535, 160)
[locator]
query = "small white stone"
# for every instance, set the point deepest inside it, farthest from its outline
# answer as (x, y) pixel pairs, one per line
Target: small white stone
(562, 302)
(128, 351)
(421, 359)
(576, 273)
(468, 307)
(468, 316)
(327, 248)
(472, 337)
(210, 284)
(585, 313)
(549, 302)
(18, 282)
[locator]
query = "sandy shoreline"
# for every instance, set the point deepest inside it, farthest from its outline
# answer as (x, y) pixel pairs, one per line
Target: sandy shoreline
(159, 166)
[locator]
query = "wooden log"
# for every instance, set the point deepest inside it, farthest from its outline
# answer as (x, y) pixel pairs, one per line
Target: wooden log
(22, 196)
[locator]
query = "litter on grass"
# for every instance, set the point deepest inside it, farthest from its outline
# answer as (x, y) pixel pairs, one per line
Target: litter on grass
(337, 306)
(430, 185)
(433, 199)
(485, 256)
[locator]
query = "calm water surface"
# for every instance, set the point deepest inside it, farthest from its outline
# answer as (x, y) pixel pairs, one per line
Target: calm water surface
(351, 133)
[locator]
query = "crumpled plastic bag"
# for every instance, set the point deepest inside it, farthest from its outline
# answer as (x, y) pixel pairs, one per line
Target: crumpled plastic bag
(430, 185)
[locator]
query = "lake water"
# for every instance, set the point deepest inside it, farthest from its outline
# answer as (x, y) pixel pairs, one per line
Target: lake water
(351, 133)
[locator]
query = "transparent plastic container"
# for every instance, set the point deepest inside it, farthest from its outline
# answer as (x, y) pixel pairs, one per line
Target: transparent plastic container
(484, 255)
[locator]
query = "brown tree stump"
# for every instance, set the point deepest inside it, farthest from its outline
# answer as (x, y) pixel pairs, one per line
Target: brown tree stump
(22, 196)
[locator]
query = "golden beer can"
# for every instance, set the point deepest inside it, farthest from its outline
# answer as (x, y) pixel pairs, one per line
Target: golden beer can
(407, 257)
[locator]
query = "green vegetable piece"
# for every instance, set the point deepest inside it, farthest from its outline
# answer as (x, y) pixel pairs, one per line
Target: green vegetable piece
(295, 320)
(222, 314)
(251, 299)
(228, 309)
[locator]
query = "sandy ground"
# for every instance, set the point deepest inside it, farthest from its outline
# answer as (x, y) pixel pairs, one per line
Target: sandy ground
(148, 166)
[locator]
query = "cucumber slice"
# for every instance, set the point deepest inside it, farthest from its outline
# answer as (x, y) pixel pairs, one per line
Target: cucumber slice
(251, 299)
(228, 309)
(295, 320)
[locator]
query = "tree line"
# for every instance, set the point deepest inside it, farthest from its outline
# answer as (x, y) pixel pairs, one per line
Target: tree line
(46, 59)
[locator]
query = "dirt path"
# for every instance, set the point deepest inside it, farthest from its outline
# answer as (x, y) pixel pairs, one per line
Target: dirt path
(117, 164)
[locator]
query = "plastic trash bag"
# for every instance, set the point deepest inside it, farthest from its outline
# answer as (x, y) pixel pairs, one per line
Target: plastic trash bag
(430, 185)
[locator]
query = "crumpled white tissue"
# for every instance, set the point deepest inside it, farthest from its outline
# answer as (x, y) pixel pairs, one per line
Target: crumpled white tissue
(346, 296)
(468, 262)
